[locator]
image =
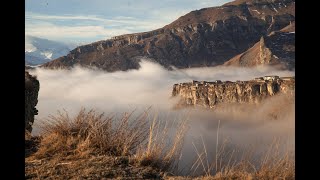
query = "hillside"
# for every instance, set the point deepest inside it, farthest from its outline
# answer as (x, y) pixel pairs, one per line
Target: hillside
(278, 48)
(205, 37)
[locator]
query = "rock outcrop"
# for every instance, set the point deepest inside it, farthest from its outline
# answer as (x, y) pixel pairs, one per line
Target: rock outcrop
(31, 99)
(278, 49)
(209, 94)
(201, 38)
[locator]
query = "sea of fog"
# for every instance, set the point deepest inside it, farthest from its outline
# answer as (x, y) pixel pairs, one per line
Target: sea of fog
(240, 126)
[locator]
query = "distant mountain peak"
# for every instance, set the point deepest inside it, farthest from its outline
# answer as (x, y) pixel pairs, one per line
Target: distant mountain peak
(39, 50)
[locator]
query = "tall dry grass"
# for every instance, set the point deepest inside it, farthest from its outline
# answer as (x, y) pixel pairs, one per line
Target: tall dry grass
(154, 143)
(162, 151)
(92, 133)
(272, 163)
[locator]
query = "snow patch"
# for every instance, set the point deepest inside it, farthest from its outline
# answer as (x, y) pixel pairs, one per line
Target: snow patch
(39, 51)
(29, 48)
(48, 55)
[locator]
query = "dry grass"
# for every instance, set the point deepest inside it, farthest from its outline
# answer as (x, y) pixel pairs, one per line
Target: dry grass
(107, 147)
(91, 133)
(160, 152)
(274, 164)
(69, 140)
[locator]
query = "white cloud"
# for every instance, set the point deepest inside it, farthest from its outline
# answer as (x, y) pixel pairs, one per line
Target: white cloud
(117, 19)
(169, 15)
(99, 19)
(58, 32)
(37, 16)
(150, 85)
(95, 28)
(210, 3)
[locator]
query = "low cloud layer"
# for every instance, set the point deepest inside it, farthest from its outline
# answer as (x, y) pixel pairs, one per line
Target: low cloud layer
(151, 85)
(243, 128)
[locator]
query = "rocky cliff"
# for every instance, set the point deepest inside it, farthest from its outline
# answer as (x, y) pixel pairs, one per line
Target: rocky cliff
(209, 94)
(205, 37)
(31, 99)
(278, 48)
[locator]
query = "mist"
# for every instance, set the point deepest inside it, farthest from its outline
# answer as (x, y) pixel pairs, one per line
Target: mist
(151, 85)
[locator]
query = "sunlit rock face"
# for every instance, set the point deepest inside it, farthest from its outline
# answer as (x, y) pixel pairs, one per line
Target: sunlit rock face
(209, 94)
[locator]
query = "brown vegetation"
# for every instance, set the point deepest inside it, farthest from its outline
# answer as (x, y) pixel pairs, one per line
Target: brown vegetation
(92, 146)
(273, 164)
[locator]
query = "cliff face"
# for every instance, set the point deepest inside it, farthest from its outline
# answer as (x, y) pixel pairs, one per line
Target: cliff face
(205, 37)
(31, 99)
(209, 94)
(278, 48)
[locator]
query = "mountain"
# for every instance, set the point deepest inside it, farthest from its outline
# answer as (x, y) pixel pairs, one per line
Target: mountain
(205, 37)
(277, 48)
(39, 51)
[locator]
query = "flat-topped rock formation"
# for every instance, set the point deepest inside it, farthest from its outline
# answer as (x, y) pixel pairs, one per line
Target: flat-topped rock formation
(209, 94)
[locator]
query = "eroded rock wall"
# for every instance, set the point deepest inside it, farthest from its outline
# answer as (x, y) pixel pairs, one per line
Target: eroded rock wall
(32, 87)
(209, 94)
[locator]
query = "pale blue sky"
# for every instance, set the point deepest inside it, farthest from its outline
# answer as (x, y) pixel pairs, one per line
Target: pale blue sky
(85, 21)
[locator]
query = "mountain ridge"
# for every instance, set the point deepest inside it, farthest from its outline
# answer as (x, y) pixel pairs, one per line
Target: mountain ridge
(277, 48)
(205, 37)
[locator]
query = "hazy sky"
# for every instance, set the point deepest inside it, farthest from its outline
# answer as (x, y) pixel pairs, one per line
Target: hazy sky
(84, 21)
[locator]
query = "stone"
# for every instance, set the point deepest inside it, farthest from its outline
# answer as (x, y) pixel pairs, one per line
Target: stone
(32, 87)
(213, 93)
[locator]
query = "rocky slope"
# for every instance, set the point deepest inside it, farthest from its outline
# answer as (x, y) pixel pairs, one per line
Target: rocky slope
(31, 99)
(205, 37)
(278, 48)
(209, 94)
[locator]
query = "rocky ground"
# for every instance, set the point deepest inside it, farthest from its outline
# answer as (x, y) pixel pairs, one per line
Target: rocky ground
(90, 167)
